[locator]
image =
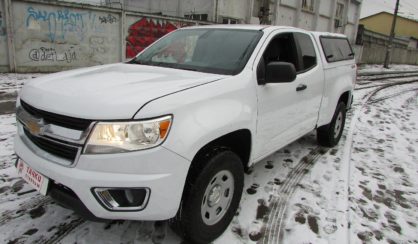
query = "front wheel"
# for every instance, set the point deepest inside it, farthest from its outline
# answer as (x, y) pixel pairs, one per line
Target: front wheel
(329, 135)
(212, 195)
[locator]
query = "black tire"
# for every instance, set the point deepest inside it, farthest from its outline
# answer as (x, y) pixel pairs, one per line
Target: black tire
(189, 222)
(326, 134)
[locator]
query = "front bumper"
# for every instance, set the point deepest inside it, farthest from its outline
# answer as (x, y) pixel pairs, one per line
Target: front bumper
(162, 171)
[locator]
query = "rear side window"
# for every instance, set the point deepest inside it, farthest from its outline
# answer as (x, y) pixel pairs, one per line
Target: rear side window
(307, 51)
(336, 49)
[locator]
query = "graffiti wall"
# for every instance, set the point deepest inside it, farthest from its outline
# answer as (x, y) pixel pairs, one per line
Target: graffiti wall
(143, 31)
(51, 36)
(62, 37)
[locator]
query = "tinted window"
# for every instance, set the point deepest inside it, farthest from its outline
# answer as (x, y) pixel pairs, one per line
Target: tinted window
(307, 51)
(282, 49)
(336, 49)
(220, 51)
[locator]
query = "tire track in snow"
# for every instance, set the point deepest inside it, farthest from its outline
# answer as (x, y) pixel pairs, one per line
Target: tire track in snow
(392, 82)
(342, 206)
(273, 223)
(63, 230)
(24, 208)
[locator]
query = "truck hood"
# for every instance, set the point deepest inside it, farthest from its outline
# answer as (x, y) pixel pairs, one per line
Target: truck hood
(107, 92)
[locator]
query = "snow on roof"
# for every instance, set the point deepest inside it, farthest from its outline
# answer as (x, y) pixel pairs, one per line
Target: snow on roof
(319, 33)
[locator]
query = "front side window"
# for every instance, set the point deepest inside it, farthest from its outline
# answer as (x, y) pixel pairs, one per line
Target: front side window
(220, 51)
(307, 51)
(282, 48)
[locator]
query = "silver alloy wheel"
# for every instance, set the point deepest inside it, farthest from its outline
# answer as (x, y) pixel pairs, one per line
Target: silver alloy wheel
(338, 124)
(217, 198)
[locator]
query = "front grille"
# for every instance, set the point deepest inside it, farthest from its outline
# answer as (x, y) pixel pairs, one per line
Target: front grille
(57, 119)
(54, 148)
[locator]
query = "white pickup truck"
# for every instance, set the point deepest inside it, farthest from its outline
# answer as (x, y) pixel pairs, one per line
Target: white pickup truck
(169, 134)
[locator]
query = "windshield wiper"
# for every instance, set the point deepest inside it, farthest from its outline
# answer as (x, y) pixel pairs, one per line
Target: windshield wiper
(138, 61)
(186, 68)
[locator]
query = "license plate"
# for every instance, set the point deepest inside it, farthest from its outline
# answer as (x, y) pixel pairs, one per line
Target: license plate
(32, 177)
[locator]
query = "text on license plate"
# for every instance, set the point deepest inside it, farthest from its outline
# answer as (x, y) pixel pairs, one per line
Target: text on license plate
(33, 177)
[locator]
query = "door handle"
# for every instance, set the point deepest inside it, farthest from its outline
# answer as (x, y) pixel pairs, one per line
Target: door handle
(301, 87)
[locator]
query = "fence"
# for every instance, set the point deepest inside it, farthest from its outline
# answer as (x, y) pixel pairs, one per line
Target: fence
(44, 36)
(374, 45)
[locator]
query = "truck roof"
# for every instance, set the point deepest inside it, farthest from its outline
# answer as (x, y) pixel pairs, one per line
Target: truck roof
(241, 26)
(320, 33)
(267, 28)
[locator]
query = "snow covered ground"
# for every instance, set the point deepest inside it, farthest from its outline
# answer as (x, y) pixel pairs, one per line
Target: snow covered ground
(363, 190)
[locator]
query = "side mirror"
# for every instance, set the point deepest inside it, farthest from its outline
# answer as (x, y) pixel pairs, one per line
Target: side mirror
(278, 72)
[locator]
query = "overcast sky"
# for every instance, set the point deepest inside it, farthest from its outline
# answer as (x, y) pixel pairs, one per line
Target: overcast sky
(408, 8)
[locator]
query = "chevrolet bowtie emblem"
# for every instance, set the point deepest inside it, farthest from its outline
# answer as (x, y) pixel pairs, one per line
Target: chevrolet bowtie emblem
(34, 125)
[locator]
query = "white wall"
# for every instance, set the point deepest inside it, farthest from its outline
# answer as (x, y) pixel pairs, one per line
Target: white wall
(237, 9)
(291, 3)
(325, 7)
(353, 13)
(306, 20)
(285, 16)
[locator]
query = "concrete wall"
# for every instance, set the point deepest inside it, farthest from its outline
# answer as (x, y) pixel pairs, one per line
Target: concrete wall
(237, 9)
(286, 15)
(57, 37)
(374, 53)
(4, 62)
(374, 49)
(175, 8)
(49, 37)
(282, 12)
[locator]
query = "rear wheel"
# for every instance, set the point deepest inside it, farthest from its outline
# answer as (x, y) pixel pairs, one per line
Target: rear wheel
(212, 195)
(329, 135)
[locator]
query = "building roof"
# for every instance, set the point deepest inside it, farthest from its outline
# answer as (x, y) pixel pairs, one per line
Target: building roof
(384, 12)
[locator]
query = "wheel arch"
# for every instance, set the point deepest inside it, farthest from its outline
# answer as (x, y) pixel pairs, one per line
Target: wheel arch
(346, 98)
(238, 141)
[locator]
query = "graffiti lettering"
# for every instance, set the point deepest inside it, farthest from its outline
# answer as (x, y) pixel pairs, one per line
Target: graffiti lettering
(44, 54)
(145, 31)
(59, 22)
(97, 45)
(109, 19)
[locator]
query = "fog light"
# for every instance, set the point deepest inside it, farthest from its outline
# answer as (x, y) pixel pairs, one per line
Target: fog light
(122, 199)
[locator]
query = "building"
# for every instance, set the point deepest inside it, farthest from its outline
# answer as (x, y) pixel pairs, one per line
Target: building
(340, 16)
(382, 23)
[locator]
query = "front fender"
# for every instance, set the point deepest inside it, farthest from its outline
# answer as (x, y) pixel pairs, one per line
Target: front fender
(205, 113)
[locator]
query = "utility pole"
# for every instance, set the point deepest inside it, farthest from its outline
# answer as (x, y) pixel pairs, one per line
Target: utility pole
(392, 34)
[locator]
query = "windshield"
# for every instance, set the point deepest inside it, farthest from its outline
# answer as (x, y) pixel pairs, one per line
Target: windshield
(220, 51)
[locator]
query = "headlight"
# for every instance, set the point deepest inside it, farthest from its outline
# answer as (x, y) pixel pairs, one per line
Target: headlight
(117, 137)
